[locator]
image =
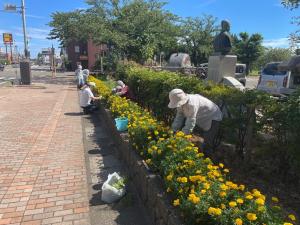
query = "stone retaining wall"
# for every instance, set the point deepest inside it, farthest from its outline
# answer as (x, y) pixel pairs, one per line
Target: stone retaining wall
(149, 186)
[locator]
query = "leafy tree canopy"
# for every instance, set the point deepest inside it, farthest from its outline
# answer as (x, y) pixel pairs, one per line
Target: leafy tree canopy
(247, 48)
(292, 4)
(197, 35)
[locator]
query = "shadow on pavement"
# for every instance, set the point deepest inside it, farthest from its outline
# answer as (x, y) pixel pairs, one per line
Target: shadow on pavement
(74, 114)
(101, 161)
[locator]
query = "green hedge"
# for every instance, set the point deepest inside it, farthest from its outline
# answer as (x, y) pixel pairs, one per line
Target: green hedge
(246, 113)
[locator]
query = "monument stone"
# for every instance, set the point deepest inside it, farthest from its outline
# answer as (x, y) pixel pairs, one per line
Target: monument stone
(222, 63)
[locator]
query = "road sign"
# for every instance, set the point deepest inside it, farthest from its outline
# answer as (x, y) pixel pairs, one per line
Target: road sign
(7, 38)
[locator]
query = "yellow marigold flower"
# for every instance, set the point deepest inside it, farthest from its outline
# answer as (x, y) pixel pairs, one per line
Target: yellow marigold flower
(261, 209)
(148, 161)
(242, 187)
(180, 134)
(200, 155)
(182, 179)
(232, 204)
(221, 165)
(260, 201)
(150, 151)
(209, 166)
(222, 194)
(221, 179)
(223, 206)
(275, 199)
(149, 137)
(214, 211)
(238, 221)
(292, 217)
(240, 201)
(251, 216)
(159, 151)
(156, 132)
(203, 191)
(206, 186)
(169, 177)
(188, 136)
(256, 194)
(193, 198)
(176, 202)
(154, 147)
(226, 170)
(224, 187)
(249, 197)
(287, 224)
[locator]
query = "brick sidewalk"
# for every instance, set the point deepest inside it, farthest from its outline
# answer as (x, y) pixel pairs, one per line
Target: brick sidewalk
(42, 166)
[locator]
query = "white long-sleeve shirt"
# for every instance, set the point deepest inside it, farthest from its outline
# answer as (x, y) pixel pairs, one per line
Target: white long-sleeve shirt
(198, 111)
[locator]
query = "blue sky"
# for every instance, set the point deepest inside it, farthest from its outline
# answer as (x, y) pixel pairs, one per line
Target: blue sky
(267, 17)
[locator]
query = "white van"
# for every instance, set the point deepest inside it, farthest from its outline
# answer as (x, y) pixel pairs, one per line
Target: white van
(280, 78)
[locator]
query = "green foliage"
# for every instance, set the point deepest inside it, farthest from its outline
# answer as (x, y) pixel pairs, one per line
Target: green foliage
(247, 48)
(272, 55)
(197, 35)
(292, 4)
(151, 91)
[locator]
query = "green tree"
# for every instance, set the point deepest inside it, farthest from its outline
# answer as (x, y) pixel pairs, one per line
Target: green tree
(197, 35)
(137, 29)
(272, 55)
(247, 48)
(292, 4)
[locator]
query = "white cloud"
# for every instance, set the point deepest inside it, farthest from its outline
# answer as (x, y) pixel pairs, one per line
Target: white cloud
(33, 33)
(277, 43)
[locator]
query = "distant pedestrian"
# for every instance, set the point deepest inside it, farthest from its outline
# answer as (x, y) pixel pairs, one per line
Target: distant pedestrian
(79, 76)
(192, 110)
(86, 74)
(87, 98)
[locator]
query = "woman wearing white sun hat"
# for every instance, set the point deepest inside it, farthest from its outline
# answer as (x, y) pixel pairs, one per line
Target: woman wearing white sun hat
(192, 110)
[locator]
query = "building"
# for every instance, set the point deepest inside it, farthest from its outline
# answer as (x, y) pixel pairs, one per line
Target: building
(84, 53)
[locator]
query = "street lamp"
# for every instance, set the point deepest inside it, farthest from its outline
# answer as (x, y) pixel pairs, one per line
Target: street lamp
(24, 65)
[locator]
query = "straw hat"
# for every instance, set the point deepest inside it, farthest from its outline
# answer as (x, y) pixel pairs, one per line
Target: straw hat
(177, 98)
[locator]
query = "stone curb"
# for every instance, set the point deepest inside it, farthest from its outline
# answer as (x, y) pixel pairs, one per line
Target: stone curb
(149, 185)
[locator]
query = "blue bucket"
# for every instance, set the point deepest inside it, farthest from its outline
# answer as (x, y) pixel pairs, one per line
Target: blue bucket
(121, 124)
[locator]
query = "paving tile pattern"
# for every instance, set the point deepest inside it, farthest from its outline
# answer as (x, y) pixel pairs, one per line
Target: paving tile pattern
(42, 166)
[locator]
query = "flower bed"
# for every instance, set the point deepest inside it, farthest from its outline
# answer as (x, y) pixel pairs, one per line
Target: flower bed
(201, 190)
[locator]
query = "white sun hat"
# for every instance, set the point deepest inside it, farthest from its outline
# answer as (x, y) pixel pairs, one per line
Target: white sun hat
(177, 98)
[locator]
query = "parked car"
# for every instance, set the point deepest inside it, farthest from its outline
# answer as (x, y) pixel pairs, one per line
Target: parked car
(280, 78)
(240, 73)
(1, 67)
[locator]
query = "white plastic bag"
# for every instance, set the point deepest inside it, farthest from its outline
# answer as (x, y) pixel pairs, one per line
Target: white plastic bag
(110, 193)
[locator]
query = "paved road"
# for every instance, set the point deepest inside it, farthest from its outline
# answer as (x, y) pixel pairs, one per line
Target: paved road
(42, 167)
(251, 82)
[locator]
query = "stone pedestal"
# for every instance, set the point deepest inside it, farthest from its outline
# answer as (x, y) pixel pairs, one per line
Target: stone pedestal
(220, 66)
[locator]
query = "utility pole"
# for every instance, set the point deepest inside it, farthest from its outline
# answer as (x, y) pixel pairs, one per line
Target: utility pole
(26, 52)
(11, 52)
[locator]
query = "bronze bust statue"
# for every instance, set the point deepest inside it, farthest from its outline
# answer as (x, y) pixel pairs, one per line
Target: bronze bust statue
(222, 42)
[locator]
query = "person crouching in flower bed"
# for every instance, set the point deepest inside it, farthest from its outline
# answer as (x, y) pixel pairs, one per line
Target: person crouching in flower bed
(87, 98)
(123, 90)
(192, 110)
